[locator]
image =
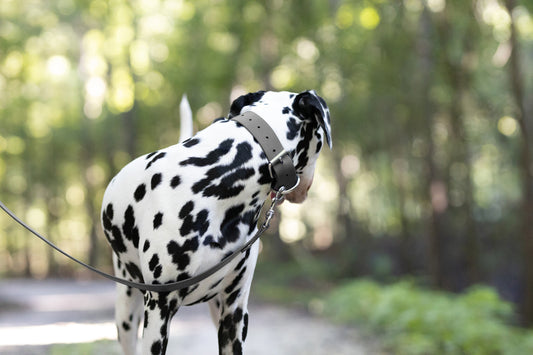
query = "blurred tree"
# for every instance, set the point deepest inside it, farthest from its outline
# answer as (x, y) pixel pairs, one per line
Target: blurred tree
(525, 120)
(432, 146)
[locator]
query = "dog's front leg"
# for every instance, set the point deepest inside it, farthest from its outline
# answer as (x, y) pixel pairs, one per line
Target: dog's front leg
(158, 312)
(233, 328)
(232, 304)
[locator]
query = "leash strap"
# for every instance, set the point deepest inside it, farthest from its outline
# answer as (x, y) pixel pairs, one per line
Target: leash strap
(283, 174)
(174, 286)
(281, 166)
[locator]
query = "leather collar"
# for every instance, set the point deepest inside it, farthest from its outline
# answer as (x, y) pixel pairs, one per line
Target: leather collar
(281, 167)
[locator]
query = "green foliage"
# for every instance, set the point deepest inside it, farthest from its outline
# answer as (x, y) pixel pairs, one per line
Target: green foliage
(107, 347)
(289, 283)
(418, 321)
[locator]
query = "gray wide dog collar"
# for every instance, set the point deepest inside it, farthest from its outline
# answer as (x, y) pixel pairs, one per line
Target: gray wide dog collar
(281, 167)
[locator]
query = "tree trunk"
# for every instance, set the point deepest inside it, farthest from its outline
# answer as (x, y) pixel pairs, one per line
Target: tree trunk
(524, 118)
(86, 160)
(352, 241)
(434, 185)
(458, 75)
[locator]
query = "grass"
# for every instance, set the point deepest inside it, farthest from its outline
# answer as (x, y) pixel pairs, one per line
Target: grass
(107, 347)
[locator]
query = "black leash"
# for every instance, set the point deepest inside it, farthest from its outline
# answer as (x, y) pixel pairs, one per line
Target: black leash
(174, 286)
(283, 174)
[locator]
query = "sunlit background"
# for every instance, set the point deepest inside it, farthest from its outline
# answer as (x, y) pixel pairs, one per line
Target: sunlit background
(430, 176)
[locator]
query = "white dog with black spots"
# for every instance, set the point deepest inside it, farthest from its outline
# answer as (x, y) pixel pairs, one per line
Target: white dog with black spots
(172, 214)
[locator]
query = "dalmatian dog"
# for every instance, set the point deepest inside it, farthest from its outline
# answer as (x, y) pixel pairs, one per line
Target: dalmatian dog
(172, 214)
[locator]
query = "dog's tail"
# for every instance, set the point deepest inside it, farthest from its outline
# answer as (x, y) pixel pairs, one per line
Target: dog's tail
(185, 119)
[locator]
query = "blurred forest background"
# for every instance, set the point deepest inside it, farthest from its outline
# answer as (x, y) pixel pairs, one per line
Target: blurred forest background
(431, 175)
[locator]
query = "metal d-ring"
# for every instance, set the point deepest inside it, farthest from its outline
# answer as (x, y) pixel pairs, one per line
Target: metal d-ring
(286, 191)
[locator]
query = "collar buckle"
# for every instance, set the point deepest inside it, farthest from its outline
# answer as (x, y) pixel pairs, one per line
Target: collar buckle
(276, 170)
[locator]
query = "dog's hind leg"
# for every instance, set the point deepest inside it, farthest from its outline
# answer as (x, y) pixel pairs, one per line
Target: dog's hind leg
(214, 310)
(128, 313)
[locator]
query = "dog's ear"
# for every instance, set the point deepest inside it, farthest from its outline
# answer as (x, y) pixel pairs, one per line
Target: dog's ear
(242, 101)
(309, 106)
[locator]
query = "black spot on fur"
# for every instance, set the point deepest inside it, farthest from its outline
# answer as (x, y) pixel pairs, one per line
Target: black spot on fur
(154, 159)
(216, 284)
(237, 315)
(158, 220)
(209, 240)
(134, 271)
(154, 266)
(303, 146)
(245, 100)
(186, 209)
(139, 193)
(146, 245)
(237, 347)
(227, 188)
(264, 175)
(233, 297)
(241, 263)
(229, 227)
(250, 219)
(109, 211)
(191, 142)
(107, 218)
(145, 318)
(153, 262)
(235, 282)
(157, 271)
(179, 253)
(198, 223)
(125, 326)
(176, 180)
(117, 243)
(156, 348)
(156, 180)
(226, 331)
(131, 232)
(212, 157)
(293, 127)
(203, 299)
(318, 147)
(245, 328)
(151, 155)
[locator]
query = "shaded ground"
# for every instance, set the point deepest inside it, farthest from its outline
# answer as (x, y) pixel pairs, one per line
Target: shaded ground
(73, 317)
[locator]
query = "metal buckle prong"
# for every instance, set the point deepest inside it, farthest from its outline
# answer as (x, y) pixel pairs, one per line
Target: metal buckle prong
(275, 160)
(278, 157)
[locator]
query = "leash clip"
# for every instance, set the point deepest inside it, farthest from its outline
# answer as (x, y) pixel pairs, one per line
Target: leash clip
(270, 213)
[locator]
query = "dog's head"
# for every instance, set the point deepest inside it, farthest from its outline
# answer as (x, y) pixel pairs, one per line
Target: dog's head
(305, 125)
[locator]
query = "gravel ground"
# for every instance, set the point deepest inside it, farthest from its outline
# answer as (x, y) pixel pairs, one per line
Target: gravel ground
(73, 317)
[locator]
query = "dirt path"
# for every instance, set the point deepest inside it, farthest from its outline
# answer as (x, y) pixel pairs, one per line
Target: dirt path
(36, 316)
